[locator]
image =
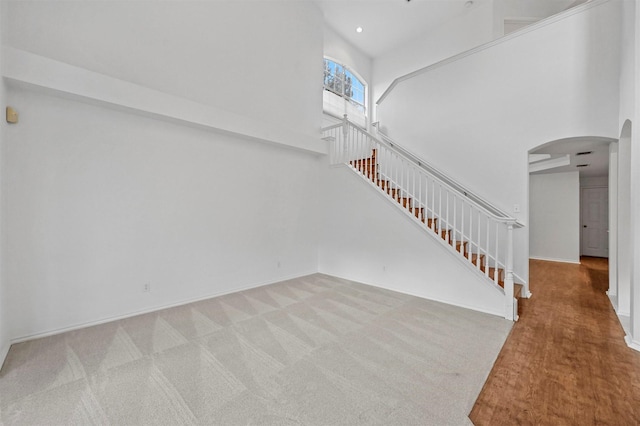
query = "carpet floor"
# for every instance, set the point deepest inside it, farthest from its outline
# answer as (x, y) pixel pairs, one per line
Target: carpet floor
(315, 350)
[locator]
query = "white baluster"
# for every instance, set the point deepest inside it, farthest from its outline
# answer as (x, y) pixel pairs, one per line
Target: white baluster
(495, 273)
(462, 229)
(420, 191)
(497, 245)
(455, 219)
(447, 231)
(508, 280)
(433, 205)
(440, 210)
(471, 236)
(479, 249)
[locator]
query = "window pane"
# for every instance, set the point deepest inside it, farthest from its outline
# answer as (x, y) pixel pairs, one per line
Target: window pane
(355, 88)
(339, 76)
(344, 83)
(329, 74)
(358, 95)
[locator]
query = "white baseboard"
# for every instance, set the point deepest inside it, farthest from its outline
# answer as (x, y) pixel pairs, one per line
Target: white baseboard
(632, 343)
(78, 326)
(613, 299)
(551, 259)
(4, 351)
(499, 313)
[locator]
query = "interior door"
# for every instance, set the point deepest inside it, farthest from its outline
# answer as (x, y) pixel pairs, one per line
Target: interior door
(594, 209)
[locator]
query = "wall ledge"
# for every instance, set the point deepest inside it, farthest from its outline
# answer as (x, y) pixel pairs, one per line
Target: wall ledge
(541, 23)
(21, 68)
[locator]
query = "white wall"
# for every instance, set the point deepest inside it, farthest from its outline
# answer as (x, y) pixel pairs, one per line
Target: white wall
(625, 259)
(477, 118)
(5, 335)
(366, 238)
(337, 48)
(594, 181)
(539, 9)
(627, 87)
(626, 279)
(100, 202)
(554, 217)
(465, 32)
(480, 24)
(250, 57)
(634, 339)
(613, 225)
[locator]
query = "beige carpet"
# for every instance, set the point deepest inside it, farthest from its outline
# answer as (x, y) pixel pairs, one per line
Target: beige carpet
(311, 351)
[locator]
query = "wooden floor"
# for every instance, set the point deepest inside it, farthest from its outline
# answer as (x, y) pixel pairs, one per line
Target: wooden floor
(565, 362)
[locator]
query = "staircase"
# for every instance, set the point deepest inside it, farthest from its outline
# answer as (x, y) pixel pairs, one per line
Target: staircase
(479, 234)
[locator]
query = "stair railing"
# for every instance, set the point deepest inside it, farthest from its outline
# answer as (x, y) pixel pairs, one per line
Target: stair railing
(481, 234)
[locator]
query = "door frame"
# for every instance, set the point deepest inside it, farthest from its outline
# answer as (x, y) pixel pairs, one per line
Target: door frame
(582, 188)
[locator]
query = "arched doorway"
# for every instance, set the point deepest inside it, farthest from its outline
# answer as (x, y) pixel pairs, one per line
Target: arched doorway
(561, 221)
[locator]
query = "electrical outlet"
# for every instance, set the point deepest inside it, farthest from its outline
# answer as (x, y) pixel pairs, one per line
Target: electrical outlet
(146, 288)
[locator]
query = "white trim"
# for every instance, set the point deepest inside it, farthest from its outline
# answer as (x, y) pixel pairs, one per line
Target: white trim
(360, 79)
(534, 158)
(516, 20)
(632, 343)
(37, 72)
(614, 302)
(550, 259)
(3, 354)
(154, 309)
(542, 23)
(498, 312)
(552, 163)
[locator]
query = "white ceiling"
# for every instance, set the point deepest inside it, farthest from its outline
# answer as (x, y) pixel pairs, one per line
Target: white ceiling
(388, 23)
(598, 161)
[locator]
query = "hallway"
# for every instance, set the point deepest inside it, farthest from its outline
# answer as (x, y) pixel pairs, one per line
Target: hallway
(565, 361)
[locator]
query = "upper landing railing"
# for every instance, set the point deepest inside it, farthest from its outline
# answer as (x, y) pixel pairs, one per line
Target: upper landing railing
(543, 22)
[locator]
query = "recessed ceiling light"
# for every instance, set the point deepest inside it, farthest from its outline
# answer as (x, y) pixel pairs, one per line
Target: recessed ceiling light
(359, 29)
(582, 165)
(585, 153)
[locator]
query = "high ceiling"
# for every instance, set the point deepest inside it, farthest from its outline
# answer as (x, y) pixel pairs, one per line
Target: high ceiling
(389, 23)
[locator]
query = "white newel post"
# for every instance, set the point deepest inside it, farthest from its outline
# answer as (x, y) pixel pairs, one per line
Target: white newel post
(510, 307)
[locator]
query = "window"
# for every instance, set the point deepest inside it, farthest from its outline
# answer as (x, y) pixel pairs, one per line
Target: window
(341, 81)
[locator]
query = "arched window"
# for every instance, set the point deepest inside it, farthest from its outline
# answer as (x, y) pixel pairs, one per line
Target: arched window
(344, 92)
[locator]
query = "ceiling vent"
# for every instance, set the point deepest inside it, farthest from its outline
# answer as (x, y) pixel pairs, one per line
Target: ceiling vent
(584, 153)
(582, 165)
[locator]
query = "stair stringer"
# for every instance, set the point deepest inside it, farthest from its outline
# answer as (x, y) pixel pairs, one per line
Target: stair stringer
(369, 239)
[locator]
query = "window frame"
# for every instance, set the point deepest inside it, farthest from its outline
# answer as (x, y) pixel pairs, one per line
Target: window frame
(362, 107)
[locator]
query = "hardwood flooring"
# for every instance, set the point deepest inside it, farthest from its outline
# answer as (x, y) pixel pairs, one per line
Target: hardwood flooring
(565, 362)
